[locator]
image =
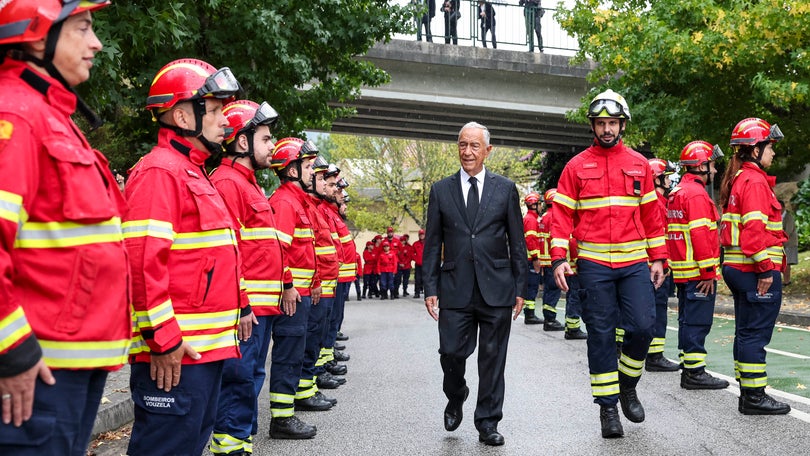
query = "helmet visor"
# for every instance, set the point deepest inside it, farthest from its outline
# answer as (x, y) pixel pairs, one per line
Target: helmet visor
(611, 107)
(221, 84)
(342, 183)
(320, 164)
(717, 153)
(265, 115)
(308, 149)
(775, 134)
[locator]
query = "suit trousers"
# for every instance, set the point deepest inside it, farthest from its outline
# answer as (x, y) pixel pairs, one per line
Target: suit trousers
(458, 329)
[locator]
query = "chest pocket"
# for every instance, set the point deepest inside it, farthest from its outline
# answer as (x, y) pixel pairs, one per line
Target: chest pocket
(210, 207)
(83, 189)
(590, 182)
(632, 181)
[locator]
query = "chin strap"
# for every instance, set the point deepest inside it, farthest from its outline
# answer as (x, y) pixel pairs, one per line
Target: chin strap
(659, 183)
(198, 107)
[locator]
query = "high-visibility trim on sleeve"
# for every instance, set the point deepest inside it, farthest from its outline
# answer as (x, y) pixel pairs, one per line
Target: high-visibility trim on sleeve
(13, 329)
(43, 235)
(204, 239)
(156, 316)
(84, 354)
(11, 207)
(565, 200)
(284, 238)
(209, 320)
(257, 234)
(148, 228)
(607, 201)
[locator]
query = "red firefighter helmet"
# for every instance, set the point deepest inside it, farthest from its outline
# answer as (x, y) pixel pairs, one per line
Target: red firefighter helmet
(24, 21)
(320, 165)
(244, 115)
(287, 150)
(532, 198)
(753, 130)
(190, 79)
(421, 231)
(660, 167)
(549, 195)
(699, 152)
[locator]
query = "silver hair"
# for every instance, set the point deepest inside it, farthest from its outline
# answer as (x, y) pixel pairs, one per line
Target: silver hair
(480, 127)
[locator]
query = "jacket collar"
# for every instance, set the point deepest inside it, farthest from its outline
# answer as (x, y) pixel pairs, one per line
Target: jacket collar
(52, 91)
(241, 169)
(172, 140)
(753, 167)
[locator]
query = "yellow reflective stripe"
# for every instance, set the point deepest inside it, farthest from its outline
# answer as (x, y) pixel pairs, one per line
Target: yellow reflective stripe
(335, 236)
(305, 233)
(565, 200)
(649, 197)
(154, 317)
(559, 243)
(83, 354)
(226, 444)
(685, 274)
(345, 274)
(263, 286)
(629, 366)
(208, 342)
(613, 257)
(282, 412)
(150, 227)
(693, 360)
(734, 255)
(595, 203)
(13, 328)
(759, 382)
(549, 308)
(774, 225)
(264, 300)
(630, 246)
(605, 378)
(282, 398)
(204, 239)
(325, 250)
(606, 384)
(331, 283)
(528, 233)
(658, 241)
(284, 238)
(346, 239)
(754, 215)
(708, 262)
(351, 267)
(701, 222)
(37, 235)
(11, 208)
(753, 368)
(257, 234)
(209, 320)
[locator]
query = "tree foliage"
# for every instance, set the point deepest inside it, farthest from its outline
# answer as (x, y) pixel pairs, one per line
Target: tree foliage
(691, 69)
(298, 55)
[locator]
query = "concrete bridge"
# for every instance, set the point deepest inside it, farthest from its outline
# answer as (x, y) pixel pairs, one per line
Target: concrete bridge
(435, 88)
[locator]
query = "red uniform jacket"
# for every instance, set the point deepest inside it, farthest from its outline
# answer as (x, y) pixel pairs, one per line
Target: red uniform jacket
(326, 248)
(387, 262)
(348, 250)
(63, 269)
(370, 261)
(418, 248)
(405, 256)
(294, 228)
(530, 233)
(183, 256)
(544, 235)
(263, 270)
(692, 241)
(751, 226)
(607, 200)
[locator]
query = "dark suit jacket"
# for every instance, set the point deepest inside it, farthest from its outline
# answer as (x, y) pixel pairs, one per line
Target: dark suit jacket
(490, 20)
(491, 248)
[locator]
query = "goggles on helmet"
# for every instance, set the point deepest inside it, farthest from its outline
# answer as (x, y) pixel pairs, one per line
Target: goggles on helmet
(342, 183)
(776, 134)
(319, 165)
(265, 115)
(346, 197)
(308, 149)
(717, 153)
(221, 84)
(612, 107)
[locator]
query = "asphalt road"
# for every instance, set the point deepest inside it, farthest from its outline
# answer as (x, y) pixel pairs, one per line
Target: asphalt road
(392, 403)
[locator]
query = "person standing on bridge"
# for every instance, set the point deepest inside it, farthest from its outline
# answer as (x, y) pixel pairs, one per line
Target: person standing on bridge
(752, 237)
(533, 14)
(425, 18)
(486, 15)
(474, 268)
(451, 17)
(606, 199)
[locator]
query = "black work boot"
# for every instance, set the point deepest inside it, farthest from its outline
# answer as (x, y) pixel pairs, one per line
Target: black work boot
(699, 379)
(657, 362)
(312, 404)
(575, 334)
(530, 318)
(756, 402)
(340, 356)
(631, 406)
(335, 369)
(553, 325)
(611, 424)
(383, 294)
(323, 397)
(291, 428)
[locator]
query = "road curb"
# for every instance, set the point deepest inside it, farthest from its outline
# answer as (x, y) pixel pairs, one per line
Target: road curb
(117, 408)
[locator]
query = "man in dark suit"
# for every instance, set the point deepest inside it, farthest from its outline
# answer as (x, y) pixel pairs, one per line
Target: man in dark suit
(486, 14)
(474, 220)
(424, 19)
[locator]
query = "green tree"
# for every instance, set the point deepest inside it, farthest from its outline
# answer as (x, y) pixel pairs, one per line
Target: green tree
(691, 69)
(298, 55)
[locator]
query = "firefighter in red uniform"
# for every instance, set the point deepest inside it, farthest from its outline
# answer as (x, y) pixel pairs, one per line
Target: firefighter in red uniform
(64, 316)
(418, 248)
(249, 146)
(292, 161)
(606, 200)
(534, 249)
(387, 264)
(551, 292)
(656, 362)
(313, 376)
(751, 235)
(348, 266)
(694, 255)
(404, 265)
(184, 261)
(369, 264)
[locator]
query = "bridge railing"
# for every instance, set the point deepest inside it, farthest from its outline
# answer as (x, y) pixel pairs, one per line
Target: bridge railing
(512, 27)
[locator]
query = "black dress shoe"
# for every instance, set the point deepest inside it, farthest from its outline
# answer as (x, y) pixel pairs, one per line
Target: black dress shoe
(454, 412)
(631, 406)
(611, 424)
(490, 436)
(339, 346)
(340, 356)
(312, 404)
(336, 369)
(341, 336)
(291, 428)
